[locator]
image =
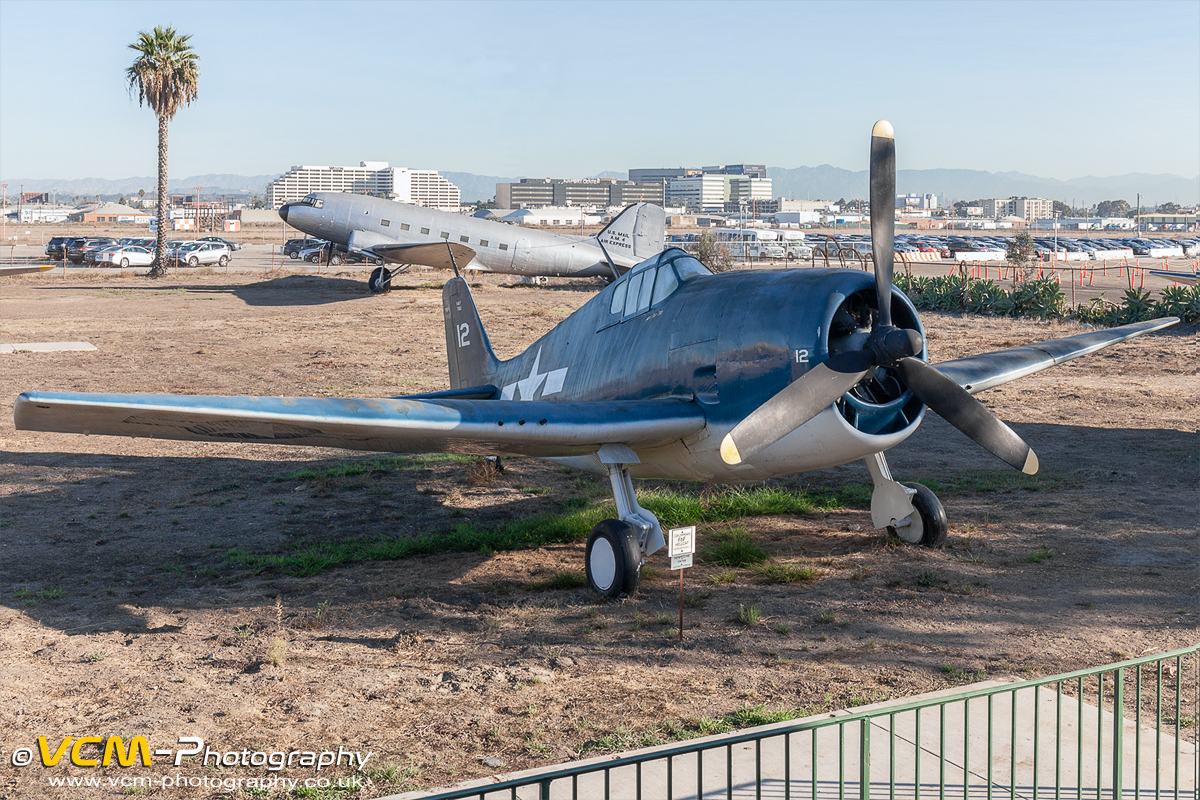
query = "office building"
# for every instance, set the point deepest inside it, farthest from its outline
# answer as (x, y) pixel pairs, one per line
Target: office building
(604, 192)
(417, 187)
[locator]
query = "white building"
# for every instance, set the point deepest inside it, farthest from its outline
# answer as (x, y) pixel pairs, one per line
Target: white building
(418, 187)
(916, 202)
(717, 192)
(553, 215)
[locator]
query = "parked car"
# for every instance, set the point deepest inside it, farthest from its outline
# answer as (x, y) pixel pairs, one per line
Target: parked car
(195, 254)
(56, 246)
(321, 255)
(125, 256)
(77, 248)
(292, 247)
(233, 246)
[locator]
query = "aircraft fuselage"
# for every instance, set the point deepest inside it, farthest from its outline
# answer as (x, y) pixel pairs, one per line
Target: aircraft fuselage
(730, 341)
(357, 222)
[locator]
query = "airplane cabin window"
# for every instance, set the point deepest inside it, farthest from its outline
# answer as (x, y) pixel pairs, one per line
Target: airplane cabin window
(617, 305)
(464, 239)
(425, 231)
(445, 235)
(503, 247)
(387, 223)
(403, 226)
(631, 297)
(483, 242)
(665, 283)
(647, 290)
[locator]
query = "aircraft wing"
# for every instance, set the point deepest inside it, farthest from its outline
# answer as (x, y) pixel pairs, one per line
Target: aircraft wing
(987, 370)
(6, 271)
(429, 254)
(483, 427)
(1190, 278)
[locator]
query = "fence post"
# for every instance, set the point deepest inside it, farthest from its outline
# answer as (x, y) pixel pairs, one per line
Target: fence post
(1118, 740)
(864, 760)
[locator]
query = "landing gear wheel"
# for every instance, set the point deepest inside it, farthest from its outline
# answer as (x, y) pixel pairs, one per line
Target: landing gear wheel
(614, 563)
(928, 526)
(380, 280)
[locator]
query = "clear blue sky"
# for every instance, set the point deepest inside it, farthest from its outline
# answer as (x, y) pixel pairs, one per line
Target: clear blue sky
(568, 89)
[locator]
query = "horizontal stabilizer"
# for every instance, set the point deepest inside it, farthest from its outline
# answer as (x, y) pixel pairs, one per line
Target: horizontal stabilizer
(429, 254)
(987, 370)
(482, 427)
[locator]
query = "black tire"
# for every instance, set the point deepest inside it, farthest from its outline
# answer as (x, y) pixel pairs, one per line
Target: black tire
(929, 526)
(193, 262)
(124, 263)
(294, 254)
(380, 280)
(335, 260)
(223, 260)
(614, 563)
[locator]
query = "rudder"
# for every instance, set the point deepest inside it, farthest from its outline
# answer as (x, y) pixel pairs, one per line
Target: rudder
(468, 351)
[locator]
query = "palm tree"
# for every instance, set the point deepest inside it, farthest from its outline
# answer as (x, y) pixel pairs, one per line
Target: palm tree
(165, 75)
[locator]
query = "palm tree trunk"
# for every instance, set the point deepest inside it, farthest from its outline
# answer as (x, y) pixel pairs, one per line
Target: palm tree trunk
(160, 245)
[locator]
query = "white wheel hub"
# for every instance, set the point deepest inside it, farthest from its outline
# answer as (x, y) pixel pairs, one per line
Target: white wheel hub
(603, 561)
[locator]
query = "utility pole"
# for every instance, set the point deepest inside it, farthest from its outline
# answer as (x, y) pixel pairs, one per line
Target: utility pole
(197, 188)
(3, 210)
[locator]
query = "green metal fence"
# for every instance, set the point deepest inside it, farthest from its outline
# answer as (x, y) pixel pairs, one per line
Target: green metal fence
(1126, 730)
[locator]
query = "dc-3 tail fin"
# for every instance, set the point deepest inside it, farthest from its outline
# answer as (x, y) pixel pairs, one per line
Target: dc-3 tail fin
(468, 351)
(637, 233)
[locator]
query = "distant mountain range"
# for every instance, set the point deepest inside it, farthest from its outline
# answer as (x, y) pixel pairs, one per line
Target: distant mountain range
(830, 183)
(802, 183)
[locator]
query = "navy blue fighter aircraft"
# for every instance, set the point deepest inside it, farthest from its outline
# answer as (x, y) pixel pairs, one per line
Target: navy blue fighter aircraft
(668, 372)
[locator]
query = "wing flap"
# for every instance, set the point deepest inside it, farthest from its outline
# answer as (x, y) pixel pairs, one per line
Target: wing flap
(988, 370)
(426, 254)
(484, 427)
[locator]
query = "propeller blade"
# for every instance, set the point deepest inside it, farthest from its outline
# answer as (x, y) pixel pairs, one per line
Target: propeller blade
(800, 401)
(953, 404)
(883, 213)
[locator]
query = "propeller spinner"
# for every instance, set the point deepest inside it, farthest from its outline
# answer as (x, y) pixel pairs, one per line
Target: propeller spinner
(887, 346)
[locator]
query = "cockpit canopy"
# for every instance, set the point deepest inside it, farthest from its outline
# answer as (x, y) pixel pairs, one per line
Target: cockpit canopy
(311, 200)
(652, 281)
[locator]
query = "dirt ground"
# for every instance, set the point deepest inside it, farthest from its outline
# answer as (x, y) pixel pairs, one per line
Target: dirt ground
(122, 614)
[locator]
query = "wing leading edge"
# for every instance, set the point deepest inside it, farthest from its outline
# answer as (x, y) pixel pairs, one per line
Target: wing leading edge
(987, 370)
(483, 427)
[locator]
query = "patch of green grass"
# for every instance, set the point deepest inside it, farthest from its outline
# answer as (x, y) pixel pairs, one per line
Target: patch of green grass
(960, 675)
(750, 616)
(577, 518)
(786, 573)
(929, 579)
(733, 547)
(559, 580)
(1038, 556)
(725, 576)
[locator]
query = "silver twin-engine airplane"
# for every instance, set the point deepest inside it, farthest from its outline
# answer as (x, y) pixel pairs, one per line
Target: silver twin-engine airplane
(669, 372)
(404, 235)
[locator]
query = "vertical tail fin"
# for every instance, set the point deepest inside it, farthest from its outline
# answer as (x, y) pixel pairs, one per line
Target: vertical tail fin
(468, 351)
(638, 232)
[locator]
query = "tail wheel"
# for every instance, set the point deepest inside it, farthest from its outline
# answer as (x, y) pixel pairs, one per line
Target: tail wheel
(928, 523)
(380, 280)
(614, 562)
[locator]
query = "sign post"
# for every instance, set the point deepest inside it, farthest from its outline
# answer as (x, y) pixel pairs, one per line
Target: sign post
(682, 544)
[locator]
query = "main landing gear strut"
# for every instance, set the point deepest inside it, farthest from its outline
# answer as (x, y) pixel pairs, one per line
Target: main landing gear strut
(617, 548)
(909, 511)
